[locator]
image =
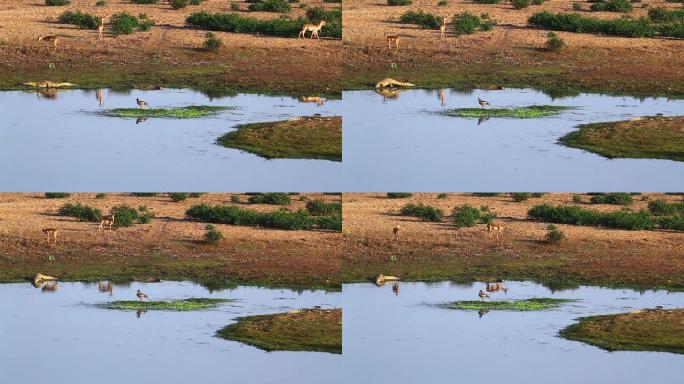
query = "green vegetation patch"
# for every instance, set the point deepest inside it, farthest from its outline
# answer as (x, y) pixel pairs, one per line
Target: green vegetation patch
(189, 112)
(653, 138)
(422, 211)
(82, 212)
(533, 304)
(306, 138)
(192, 304)
(423, 19)
(314, 330)
(529, 112)
(273, 198)
(80, 19)
(647, 330)
(624, 26)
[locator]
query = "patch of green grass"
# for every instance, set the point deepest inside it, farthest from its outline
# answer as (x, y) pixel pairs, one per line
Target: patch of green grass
(273, 198)
(650, 138)
(614, 198)
(82, 212)
(308, 138)
(281, 6)
(533, 304)
(624, 26)
(423, 19)
(192, 304)
(572, 214)
(399, 195)
(532, 111)
(80, 19)
(648, 330)
(309, 330)
(422, 211)
(612, 6)
(57, 195)
(322, 208)
(54, 3)
(189, 112)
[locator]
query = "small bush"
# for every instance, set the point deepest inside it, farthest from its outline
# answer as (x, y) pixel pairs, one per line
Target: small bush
(144, 23)
(520, 4)
(487, 1)
(576, 6)
(178, 196)
(196, 2)
(234, 7)
(212, 236)
(100, 196)
(537, 195)
(275, 198)
(123, 23)
(144, 1)
(321, 208)
(82, 212)
(612, 6)
(57, 195)
(398, 2)
(466, 23)
(398, 195)
(554, 42)
(577, 199)
(422, 211)
(553, 234)
(423, 19)
(79, 19)
(212, 43)
(616, 198)
(465, 216)
(660, 15)
(520, 196)
(235, 199)
(178, 4)
(537, 2)
(660, 207)
(331, 223)
(196, 195)
(580, 216)
(126, 216)
(54, 3)
(100, 3)
(442, 3)
(281, 6)
(144, 194)
(486, 194)
(443, 196)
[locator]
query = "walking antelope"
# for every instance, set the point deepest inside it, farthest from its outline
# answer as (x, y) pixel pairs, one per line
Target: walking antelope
(50, 39)
(108, 220)
(312, 99)
(51, 232)
(315, 29)
(395, 233)
(495, 227)
(442, 28)
(100, 28)
(392, 39)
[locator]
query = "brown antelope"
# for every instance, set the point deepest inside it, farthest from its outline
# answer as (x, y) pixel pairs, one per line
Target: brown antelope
(51, 232)
(483, 295)
(100, 28)
(312, 99)
(50, 39)
(395, 233)
(442, 28)
(495, 227)
(141, 295)
(108, 220)
(392, 39)
(315, 29)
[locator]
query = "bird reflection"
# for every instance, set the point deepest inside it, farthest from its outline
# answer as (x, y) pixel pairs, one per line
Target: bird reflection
(140, 312)
(395, 288)
(141, 119)
(482, 312)
(482, 119)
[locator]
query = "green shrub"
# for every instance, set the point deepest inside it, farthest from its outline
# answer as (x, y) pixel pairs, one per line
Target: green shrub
(212, 43)
(274, 198)
(398, 195)
(234, 7)
(520, 4)
(332, 222)
(423, 19)
(235, 199)
(574, 22)
(144, 1)
(615, 198)
(537, 2)
(580, 216)
(126, 216)
(144, 194)
(553, 234)
(612, 6)
(57, 195)
(577, 199)
(554, 42)
(537, 195)
(422, 211)
(123, 23)
(82, 212)
(178, 4)
(282, 26)
(196, 2)
(465, 216)
(281, 6)
(660, 207)
(443, 196)
(661, 15)
(178, 196)
(144, 23)
(196, 195)
(442, 3)
(398, 2)
(54, 3)
(322, 208)
(486, 216)
(675, 223)
(486, 194)
(487, 1)
(520, 196)
(79, 19)
(237, 216)
(212, 236)
(576, 6)
(100, 3)
(466, 23)
(100, 196)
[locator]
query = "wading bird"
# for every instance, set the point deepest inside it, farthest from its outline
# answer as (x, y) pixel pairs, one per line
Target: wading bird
(141, 295)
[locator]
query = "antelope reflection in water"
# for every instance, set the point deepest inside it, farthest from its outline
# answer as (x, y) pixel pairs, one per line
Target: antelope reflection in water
(50, 286)
(497, 286)
(388, 93)
(441, 96)
(105, 287)
(99, 95)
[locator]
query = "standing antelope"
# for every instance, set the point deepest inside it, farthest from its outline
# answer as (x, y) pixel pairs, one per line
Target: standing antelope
(100, 28)
(50, 39)
(50, 232)
(395, 233)
(392, 39)
(312, 99)
(109, 220)
(442, 28)
(315, 29)
(495, 227)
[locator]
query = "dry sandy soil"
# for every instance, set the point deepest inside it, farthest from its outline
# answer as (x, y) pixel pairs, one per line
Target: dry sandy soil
(170, 246)
(170, 49)
(510, 53)
(440, 250)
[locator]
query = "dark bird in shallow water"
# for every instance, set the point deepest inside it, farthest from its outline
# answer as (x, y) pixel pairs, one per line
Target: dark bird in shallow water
(141, 103)
(141, 295)
(483, 103)
(483, 295)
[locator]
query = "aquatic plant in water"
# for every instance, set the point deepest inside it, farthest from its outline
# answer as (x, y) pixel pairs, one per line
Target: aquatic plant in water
(188, 112)
(533, 304)
(192, 304)
(529, 112)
